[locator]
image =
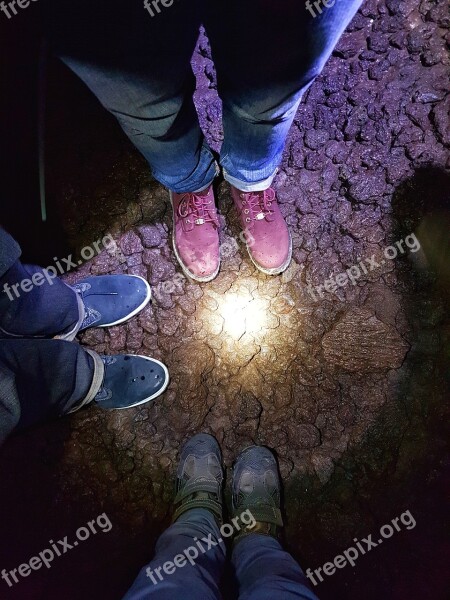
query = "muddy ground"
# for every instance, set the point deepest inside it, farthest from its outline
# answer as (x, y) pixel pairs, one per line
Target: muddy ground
(350, 388)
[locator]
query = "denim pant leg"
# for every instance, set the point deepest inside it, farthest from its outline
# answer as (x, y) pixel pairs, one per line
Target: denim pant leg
(27, 309)
(44, 379)
(278, 50)
(139, 68)
(199, 581)
(10, 251)
(265, 571)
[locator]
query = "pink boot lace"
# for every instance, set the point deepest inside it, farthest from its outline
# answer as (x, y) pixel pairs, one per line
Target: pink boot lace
(198, 208)
(258, 205)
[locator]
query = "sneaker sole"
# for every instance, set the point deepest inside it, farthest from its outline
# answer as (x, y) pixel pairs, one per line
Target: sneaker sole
(136, 310)
(150, 398)
(276, 270)
(186, 271)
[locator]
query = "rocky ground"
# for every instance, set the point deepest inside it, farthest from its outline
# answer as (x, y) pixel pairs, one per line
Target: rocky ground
(348, 386)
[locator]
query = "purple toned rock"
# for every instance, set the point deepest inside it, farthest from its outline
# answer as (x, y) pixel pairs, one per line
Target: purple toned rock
(140, 270)
(313, 161)
(441, 114)
(160, 268)
(150, 235)
(349, 45)
(378, 42)
(415, 42)
(134, 260)
(398, 169)
(117, 337)
(130, 243)
(315, 138)
(336, 100)
(367, 187)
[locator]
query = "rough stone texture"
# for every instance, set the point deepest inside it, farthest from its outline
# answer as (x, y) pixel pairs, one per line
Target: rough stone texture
(356, 419)
(360, 342)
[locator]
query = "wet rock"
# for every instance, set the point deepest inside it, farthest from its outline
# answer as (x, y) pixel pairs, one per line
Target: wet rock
(315, 138)
(399, 7)
(308, 436)
(134, 260)
(150, 235)
(323, 466)
(117, 338)
(361, 342)
(348, 46)
(441, 118)
(140, 270)
(415, 42)
(94, 336)
(160, 268)
(428, 95)
(135, 336)
(367, 187)
(130, 243)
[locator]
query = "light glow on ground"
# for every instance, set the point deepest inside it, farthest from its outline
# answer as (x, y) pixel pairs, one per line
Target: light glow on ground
(242, 313)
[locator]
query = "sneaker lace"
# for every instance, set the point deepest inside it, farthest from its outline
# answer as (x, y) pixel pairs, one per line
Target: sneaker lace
(258, 205)
(200, 208)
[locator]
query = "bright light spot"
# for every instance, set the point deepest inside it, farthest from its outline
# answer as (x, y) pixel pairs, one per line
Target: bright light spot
(242, 314)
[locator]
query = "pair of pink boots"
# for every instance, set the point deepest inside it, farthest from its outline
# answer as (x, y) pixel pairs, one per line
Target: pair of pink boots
(196, 232)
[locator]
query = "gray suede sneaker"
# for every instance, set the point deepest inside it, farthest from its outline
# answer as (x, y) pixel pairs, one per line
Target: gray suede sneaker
(200, 477)
(256, 487)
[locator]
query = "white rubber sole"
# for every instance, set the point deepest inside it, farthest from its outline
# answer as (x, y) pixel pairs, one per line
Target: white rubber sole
(150, 398)
(277, 270)
(136, 310)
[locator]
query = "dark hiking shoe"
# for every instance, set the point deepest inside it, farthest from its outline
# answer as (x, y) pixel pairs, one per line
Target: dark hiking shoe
(112, 299)
(199, 477)
(256, 488)
(131, 380)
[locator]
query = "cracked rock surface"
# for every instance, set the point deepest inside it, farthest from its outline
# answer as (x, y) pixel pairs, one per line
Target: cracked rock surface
(337, 382)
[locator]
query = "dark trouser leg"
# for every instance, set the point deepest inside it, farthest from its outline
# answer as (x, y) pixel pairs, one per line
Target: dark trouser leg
(48, 308)
(139, 68)
(199, 580)
(265, 571)
(267, 54)
(44, 379)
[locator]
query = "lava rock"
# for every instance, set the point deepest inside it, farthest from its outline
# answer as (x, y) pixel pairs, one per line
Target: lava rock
(361, 342)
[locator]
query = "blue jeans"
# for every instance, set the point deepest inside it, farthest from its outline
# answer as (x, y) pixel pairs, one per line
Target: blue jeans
(46, 310)
(44, 379)
(266, 55)
(264, 571)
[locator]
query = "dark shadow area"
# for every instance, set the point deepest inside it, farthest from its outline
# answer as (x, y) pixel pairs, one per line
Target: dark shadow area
(404, 460)
(21, 51)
